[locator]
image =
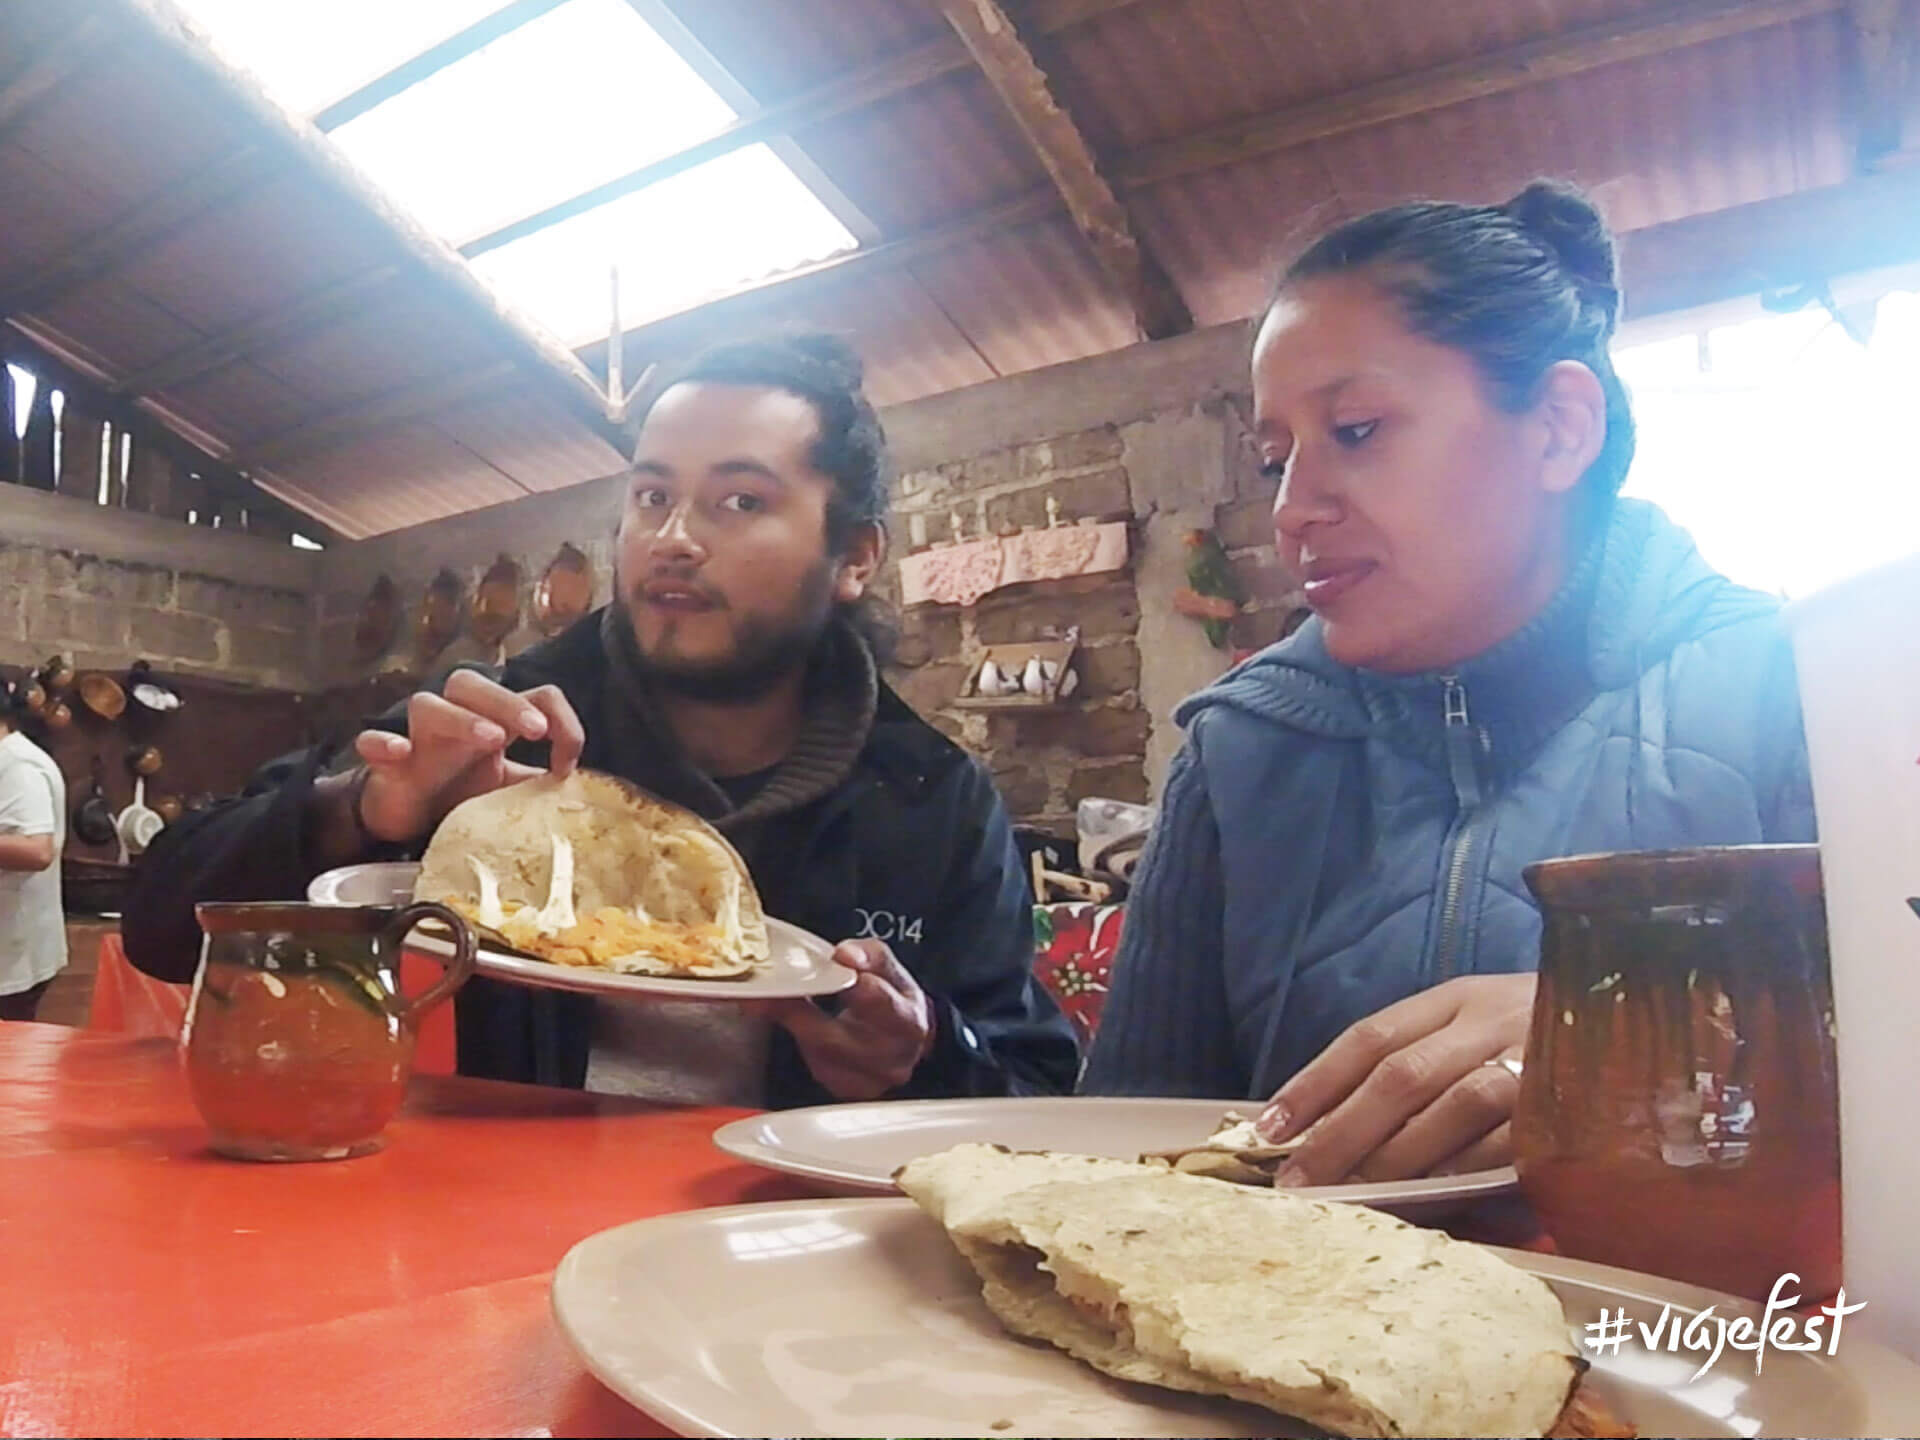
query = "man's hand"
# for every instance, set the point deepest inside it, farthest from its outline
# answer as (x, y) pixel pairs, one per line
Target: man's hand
(455, 748)
(879, 1036)
(1409, 1090)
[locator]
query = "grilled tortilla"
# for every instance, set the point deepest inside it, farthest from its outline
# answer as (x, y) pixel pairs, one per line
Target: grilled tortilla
(589, 871)
(1334, 1314)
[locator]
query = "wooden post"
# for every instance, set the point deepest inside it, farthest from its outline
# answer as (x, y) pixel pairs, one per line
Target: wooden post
(114, 450)
(9, 438)
(36, 449)
(79, 451)
(150, 479)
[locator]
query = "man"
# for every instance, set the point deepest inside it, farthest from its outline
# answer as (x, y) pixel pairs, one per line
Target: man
(732, 674)
(33, 804)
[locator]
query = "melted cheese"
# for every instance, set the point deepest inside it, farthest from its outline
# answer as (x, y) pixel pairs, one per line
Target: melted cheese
(489, 912)
(557, 914)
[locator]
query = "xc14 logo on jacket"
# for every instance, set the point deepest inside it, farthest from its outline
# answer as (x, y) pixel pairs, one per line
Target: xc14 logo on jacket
(886, 925)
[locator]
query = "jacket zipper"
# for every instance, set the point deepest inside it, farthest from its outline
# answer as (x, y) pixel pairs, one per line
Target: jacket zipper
(1462, 739)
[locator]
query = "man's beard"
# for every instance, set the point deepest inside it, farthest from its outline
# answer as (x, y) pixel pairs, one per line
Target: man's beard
(766, 651)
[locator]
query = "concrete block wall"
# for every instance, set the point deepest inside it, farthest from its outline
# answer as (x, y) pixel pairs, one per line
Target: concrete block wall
(111, 586)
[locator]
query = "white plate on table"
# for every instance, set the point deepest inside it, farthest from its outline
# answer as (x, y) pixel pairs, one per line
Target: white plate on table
(858, 1317)
(856, 1148)
(801, 964)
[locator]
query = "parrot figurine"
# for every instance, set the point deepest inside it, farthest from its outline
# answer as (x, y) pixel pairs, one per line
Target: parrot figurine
(1214, 593)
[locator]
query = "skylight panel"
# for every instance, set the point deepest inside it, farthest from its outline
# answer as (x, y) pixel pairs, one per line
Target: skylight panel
(310, 53)
(679, 243)
(579, 95)
(583, 94)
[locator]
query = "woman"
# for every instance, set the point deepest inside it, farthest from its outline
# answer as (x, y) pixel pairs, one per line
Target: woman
(33, 804)
(1505, 663)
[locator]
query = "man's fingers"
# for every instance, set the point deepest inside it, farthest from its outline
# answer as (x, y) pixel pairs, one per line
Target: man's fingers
(563, 727)
(382, 747)
(434, 720)
(515, 714)
(1339, 1070)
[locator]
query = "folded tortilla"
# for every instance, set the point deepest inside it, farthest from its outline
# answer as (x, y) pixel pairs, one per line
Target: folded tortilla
(590, 871)
(1234, 1152)
(1334, 1314)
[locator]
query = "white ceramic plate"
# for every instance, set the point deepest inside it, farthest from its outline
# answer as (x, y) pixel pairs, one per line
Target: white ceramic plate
(801, 964)
(856, 1148)
(858, 1317)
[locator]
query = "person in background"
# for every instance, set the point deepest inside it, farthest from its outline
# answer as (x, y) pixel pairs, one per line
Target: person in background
(33, 807)
(1505, 663)
(735, 673)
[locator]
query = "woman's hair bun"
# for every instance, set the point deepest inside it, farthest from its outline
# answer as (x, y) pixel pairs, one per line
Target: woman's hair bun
(1566, 221)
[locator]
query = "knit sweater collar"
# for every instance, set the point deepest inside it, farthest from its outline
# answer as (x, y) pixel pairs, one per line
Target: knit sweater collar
(841, 691)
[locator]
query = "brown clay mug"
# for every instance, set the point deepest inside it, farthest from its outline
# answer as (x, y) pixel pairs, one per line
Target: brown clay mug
(298, 1042)
(1678, 1112)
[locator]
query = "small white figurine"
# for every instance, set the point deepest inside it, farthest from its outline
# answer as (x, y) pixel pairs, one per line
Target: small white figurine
(990, 681)
(957, 529)
(1053, 513)
(1069, 684)
(1033, 679)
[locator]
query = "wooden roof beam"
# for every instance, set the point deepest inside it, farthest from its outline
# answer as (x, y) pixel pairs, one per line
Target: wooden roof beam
(1023, 87)
(1884, 50)
(1556, 57)
(842, 95)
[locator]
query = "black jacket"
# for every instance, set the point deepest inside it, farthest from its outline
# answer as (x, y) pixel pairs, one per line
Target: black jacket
(913, 848)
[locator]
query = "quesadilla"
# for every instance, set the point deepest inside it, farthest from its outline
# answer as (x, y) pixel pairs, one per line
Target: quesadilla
(589, 871)
(1334, 1314)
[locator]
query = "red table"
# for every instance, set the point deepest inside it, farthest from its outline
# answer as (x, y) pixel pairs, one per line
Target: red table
(147, 1287)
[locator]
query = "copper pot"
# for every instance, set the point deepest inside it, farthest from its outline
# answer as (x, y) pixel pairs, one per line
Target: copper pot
(144, 760)
(167, 807)
(59, 715)
(102, 695)
(57, 674)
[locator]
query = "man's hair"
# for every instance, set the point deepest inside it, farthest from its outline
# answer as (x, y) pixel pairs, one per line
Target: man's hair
(850, 450)
(823, 370)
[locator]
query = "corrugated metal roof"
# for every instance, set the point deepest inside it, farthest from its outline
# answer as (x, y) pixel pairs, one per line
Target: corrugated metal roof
(936, 152)
(1696, 130)
(780, 50)
(1029, 298)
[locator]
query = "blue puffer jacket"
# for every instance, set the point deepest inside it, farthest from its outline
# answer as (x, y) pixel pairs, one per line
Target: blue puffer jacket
(1332, 840)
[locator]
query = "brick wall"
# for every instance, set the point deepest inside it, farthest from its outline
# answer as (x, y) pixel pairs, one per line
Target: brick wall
(1166, 474)
(1095, 743)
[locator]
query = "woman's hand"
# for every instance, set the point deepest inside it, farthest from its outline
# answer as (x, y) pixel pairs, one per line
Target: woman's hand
(1423, 1087)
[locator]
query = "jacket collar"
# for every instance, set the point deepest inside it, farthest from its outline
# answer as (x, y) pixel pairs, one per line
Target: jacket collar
(1638, 592)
